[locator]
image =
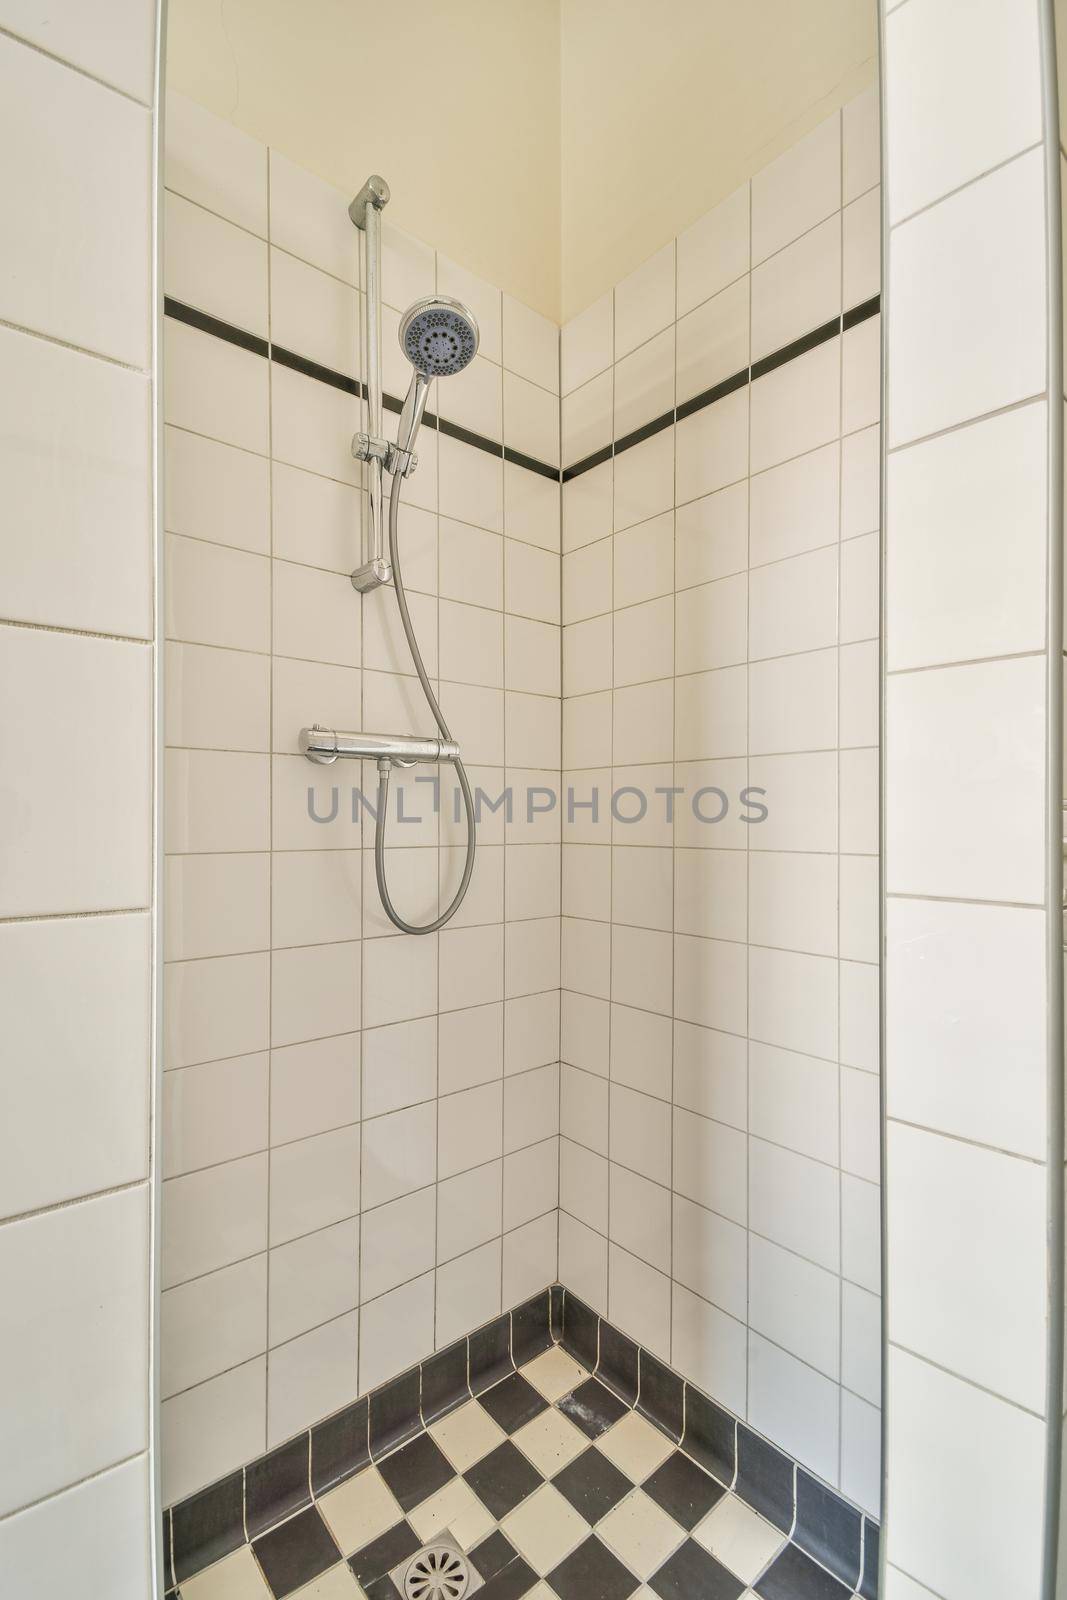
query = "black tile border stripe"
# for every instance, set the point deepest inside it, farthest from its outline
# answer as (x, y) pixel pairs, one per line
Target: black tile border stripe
(218, 1519)
(452, 430)
(737, 380)
(201, 320)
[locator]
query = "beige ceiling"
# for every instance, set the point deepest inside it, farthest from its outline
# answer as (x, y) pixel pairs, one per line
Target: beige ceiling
(548, 145)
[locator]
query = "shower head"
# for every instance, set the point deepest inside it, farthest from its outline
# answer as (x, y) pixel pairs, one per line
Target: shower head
(439, 336)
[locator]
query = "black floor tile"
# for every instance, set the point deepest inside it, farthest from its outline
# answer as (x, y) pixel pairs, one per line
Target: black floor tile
(662, 1396)
(685, 1492)
(691, 1572)
(416, 1471)
(592, 1408)
(592, 1573)
(208, 1526)
(296, 1552)
(382, 1588)
(592, 1484)
(513, 1402)
(514, 1581)
(828, 1530)
(340, 1446)
(503, 1478)
(384, 1553)
(764, 1479)
(581, 1330)
(710, 1435)
(794, 1576)
(493, 1554)
(276, 1485)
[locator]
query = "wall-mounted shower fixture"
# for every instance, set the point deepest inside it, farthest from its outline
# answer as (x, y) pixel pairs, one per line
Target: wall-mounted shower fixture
(439, 336)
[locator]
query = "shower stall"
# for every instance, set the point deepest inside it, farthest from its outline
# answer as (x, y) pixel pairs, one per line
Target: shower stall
(534, 1028)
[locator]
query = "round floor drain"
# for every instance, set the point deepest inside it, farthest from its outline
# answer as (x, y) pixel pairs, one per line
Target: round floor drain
(437, 1573)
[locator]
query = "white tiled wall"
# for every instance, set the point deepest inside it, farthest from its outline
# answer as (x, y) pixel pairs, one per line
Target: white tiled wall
(965, 792)
(77, 579)
(361, 1127)
(719, 1114)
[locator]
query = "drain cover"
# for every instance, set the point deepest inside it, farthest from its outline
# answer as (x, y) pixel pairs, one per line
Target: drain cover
(437, 1572)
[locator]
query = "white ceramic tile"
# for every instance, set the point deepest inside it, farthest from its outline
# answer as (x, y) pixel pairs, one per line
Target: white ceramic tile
(397, 1242)
(531, 1107)
(988, 1324)
(644, 480)
(950, 352)
(217, 595)
(946, 129)
(544, 1528)
(312, 426)
(793, 1000)
(860, 1233)
(794, 1101)
(313, 314)
(214, 266)
(797, 289)
(798, 190)
(713, 251)
(587, 506)
(359, 1511)
(468, 1290)
(314, 992)
(713, 341)
(313, 1183)
(644, 384)
(739, 1538)
(861, 375)
(709, 1165)
(710, 1073)
(237, 1575)
(531, 420)
(793, 605)
(644, 301)
(795, 1202)
(710, 1256)
(213, 1113)
(711, 538)
(399, 1154)
(82, 558)
(531, 1185)
(457, 1510)
(796, 408)
(795, 506)
(309, 218)
(93, 695)
(586, 344)
(400, 980)
(214, 163)
(583, 1262)
(951, 595)
(395, 1332)
(69, 187)
(84, 1268)
(315, 1086)
(861, 154)
(861, 1342)
(82, 1064)
(641, 1533)
(311, 1376)
(709, 1348)
(793, 901)
(712, 447)
(861, 269)
(550, 1442)
(216, 492)
(531, 506)
(860, 508)
(640, 1217)
(214, 1217)
(95, 1533)
(796, 1305)
(313, 1280)
(586, 419)
(798, 1407)
(966, 848)
(409, 269)
(210, 1430)
(709, 982)
(793, 700)
(469, 1129)
(945, 1437)
(531, 344)
(469, 1433)
(470, 1048)
(215, 388)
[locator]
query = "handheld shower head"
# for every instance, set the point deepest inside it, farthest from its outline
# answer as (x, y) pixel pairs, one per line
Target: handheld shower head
(439, 336)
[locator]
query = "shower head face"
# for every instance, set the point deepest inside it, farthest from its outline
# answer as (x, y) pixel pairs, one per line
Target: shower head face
(439, 336)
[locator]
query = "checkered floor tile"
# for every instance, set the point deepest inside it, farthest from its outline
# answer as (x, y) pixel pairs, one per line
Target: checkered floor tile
(556, 1491)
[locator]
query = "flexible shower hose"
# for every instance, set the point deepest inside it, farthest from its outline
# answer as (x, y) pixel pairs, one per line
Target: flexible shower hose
(385, 766)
